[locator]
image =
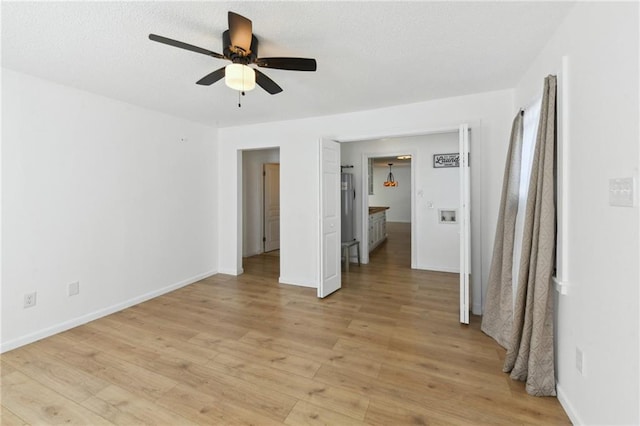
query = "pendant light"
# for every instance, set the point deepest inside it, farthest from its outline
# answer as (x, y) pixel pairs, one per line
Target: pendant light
(390, 180)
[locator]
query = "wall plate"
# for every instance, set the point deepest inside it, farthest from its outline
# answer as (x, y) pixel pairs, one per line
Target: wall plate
(622, 192)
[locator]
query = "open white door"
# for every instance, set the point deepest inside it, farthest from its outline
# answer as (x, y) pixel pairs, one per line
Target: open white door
(330, 273)
(271, 208)
(465, 223)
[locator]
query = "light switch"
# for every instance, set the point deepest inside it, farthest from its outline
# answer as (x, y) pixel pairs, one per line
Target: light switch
(622, 192)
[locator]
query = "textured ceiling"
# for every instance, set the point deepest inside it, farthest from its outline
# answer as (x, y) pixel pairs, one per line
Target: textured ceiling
(370, 54)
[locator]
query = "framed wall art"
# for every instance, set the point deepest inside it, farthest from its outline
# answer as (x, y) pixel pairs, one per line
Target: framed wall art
(446, 160)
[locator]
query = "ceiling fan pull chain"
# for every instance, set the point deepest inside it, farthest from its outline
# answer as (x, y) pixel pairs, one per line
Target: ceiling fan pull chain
(239, 104)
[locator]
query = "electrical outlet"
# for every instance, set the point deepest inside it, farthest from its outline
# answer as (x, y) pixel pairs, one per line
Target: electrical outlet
(580, 361)
(74, 288)
(30, 300)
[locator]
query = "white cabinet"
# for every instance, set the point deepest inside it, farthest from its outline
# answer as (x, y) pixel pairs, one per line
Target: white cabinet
(377, 229)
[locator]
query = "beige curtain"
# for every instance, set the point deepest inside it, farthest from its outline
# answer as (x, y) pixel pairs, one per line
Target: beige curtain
(530, 355)
(530, 351)
(498, 309)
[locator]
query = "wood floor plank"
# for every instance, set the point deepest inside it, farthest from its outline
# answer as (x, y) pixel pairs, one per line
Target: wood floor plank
(5, 368)
(146, 345)
(306, 414)
(249, 353)
(387, 349)
(37, 404)
(57, 375)
(7, 418)
(385, 413)
(203, 409)
(321, 355)
(121, 407)
(341, 401)
(133, 378)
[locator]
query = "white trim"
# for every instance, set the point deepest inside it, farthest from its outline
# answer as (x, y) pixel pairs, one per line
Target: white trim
(567, 406)
(234, 272)
(465, 221)
(561, 287)
(447, 129)
(435, 268)
(66, 325)
(296, 282)
(562, 189)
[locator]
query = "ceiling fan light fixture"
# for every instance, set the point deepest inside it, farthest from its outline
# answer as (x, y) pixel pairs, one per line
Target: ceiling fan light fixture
(240, 77)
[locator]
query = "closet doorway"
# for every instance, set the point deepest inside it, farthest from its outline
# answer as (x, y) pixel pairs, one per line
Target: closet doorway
(261, 208)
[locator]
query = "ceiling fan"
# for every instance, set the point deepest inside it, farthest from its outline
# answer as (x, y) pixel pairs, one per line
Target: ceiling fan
(240, 46)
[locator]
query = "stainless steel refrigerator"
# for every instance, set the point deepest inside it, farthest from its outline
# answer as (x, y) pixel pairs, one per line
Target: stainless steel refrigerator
(348, 217)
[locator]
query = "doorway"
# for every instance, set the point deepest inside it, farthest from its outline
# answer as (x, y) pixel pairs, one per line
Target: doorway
(390, 190)
(423, 191)
(430, 201)
(261, 205)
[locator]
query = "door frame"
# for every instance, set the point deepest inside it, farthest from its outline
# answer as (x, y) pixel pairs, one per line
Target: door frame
(364, 244)
(239, 249)
(476, 290)
(465, 224)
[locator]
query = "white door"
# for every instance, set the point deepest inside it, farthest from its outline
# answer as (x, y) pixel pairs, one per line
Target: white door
(465, 223)
(271, 207)
(329, 268)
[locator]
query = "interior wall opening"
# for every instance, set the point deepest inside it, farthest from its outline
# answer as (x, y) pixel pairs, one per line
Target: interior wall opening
(261, 209)
(440, 224)
(389, 212)
(424, 193)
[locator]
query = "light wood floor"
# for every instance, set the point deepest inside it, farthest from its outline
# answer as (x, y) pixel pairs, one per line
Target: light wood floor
(387, 349)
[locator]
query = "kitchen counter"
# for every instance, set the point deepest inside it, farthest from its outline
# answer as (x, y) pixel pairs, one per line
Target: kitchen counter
(374, 210)
(377, 226)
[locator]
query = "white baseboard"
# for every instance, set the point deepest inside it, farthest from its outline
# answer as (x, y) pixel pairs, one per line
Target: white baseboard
(235, 272)
(476, 309)
(299, 283)
(568, 407)
(438, 268)
(75, 322)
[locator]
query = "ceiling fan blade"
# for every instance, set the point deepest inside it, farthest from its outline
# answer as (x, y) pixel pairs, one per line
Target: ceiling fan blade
(266, 83)
(293, 64)
(211, 78)
(240, 31)
(186, 46)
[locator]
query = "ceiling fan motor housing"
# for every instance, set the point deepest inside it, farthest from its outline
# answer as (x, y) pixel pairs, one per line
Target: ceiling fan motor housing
(236, 54)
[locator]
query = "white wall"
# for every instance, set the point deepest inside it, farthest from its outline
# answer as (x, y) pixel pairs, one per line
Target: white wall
(437, 246)
(101, 192)
(490, 115)
(252, 213)
(397, 198)
(599, 314)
